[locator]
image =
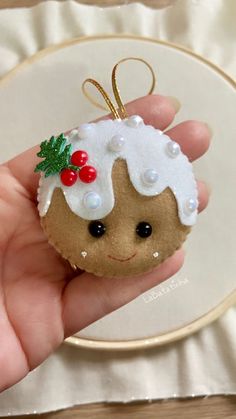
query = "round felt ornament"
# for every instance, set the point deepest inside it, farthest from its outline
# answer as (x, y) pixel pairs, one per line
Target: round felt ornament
(116, 197)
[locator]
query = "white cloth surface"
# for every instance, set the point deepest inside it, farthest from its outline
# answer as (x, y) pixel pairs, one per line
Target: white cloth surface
(202, 364)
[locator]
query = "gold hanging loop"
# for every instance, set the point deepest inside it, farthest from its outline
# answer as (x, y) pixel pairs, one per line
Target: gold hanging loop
(108, 101)
(122, 110)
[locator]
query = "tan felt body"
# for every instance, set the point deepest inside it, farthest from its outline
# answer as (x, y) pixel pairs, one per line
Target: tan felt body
(69, 233)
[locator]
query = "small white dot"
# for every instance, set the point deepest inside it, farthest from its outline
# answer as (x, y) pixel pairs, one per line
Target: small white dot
(84, 254)
(150, 176)
(92, 200)
(85, 130)
(190, 206)
(116, 143)
(172, 149)
(134, 121)
(73, 133)
(155, 254)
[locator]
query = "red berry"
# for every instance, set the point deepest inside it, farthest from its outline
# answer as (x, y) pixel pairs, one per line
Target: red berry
(68, 177)
(87, 174)
(79, 158)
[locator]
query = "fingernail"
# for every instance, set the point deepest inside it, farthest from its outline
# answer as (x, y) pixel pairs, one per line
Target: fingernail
(209, 129)
(175, 103)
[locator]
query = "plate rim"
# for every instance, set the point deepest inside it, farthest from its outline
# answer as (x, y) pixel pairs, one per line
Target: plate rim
(215, 312)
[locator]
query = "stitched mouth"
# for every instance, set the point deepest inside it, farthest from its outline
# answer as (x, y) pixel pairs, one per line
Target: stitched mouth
(122, 260)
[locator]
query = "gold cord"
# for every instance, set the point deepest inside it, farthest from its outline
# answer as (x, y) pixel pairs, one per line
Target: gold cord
(108, 101)
(121, 111)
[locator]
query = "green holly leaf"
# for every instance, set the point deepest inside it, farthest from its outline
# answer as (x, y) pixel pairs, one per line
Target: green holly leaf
(56, 154)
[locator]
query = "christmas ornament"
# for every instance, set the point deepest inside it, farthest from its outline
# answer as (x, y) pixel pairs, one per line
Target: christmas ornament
(117, 196)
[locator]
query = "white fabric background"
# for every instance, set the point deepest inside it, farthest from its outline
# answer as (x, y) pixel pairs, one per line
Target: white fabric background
(202, 364)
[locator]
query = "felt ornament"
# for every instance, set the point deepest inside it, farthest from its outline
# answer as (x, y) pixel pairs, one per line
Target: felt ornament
(116, 197)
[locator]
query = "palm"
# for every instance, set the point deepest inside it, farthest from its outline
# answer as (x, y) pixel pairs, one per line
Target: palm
(42, 300)
(32, 282)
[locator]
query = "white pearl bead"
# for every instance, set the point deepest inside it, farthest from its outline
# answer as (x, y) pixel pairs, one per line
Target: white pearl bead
(73, 133)
(190, 206)
(92, 200)
(173, 149)
(155, 254)
(150, 176)
(85, 130)
(116, 143)
(134, 121)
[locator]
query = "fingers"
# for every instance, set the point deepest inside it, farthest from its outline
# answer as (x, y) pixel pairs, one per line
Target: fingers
(203, 195)
(193, 137)
(155, 109)
(22, 168)
(158, 111)
(88, 298)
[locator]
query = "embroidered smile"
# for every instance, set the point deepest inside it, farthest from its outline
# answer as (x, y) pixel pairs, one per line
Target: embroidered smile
(122, 260)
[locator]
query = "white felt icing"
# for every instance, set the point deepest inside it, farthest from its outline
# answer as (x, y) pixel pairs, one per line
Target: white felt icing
(147, 153)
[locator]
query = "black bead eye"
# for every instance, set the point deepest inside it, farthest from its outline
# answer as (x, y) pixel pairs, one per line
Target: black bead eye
(96, 228)
(144, 229)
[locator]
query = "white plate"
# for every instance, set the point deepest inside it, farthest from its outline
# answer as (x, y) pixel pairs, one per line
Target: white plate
(43, 96)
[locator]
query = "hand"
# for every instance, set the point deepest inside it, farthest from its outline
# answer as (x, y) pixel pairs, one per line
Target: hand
(42, 300)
